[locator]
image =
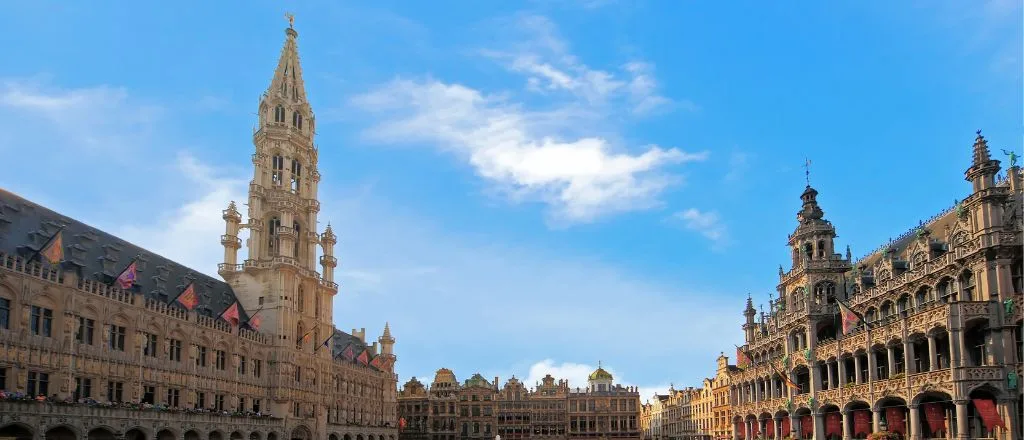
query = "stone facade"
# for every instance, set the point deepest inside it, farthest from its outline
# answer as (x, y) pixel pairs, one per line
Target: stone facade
(103, 362)
(942, 340)
(671, 416)
(479, 409)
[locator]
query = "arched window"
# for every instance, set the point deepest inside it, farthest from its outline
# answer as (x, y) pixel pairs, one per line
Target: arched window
(296, 120)
(967, 286)
(821, 249)
(296, 175)
(277, 166)
(825, 292)
(903, 303)
(279, 113)
(808, 250)
(272, 226)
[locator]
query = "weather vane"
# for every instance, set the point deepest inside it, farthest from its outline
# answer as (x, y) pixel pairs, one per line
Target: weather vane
(807, 171)
(291, 19)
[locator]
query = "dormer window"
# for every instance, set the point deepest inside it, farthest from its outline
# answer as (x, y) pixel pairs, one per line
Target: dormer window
(277, 166)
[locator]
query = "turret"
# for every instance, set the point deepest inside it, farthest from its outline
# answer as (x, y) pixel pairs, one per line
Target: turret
(327, 261)
(387, 343)
(749, 326)
(230, 240)
(983, 170)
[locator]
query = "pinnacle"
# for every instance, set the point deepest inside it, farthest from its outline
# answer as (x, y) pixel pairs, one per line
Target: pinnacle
(981, 153)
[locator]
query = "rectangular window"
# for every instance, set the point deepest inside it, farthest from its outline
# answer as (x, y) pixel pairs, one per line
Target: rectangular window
(256, 405)
(3, 378)
(257, 367)
(241, 365)
(200, 399)
(41, 321)
(5, 313)
(218, 402)
(117, 333)
(200, 356)
(174, 350)
(295, 409)
(221, 359)
(298, 374)
(148, 394)
(115, 391)
(173, 397)
(149, 347)
(86, 327)
(241, 404)
(38, 383)
(83, 388)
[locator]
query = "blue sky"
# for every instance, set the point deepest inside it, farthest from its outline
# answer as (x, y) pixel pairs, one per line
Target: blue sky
(522, 187)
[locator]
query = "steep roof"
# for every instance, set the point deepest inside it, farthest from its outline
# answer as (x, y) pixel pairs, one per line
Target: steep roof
(95, 255)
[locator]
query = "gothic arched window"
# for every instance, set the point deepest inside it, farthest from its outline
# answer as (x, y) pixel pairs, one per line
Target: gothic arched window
(272, 226)
(279, 113)
(296, 175)
(296, 120)
(821, 248)
(277, 166)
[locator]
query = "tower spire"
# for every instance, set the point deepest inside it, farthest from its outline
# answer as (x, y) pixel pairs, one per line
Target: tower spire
(287, 82)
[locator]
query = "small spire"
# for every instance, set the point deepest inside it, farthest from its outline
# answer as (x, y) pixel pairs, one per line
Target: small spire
(807, 171)
(848, 254)
(981, 153)
(387, 330)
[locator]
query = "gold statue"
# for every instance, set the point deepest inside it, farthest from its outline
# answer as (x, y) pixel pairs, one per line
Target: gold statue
(291, 19)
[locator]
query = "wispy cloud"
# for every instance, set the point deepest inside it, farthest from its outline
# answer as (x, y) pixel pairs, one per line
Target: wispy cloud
(707, 223)
(739, 164)
(557, 155)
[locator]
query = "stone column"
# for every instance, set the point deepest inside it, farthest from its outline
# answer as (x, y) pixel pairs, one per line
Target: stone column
(908, 357)
(958, 353)
(819, 425)
(762, 424)
(793, 425)
(778, 428)
(933, 355)
(847, 425)
(831, 377)
(750, 428)
(1008, 411)
(872, 366)
(856, 370)
(876, 419)
(735, 432)
(841, 366)
(961, 419)
(915, 421)
(892, 360)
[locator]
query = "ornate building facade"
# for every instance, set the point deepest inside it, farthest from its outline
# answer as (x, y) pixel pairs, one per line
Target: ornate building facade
(479, 409)
(933, 320)
(104, 340)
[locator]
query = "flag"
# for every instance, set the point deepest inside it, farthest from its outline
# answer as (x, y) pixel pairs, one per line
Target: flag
(188, 298)
(325, 343)
(305, 337)
(377, 362)
(128, 276)
(53, 250)
(401, 423)
(348, 353)
(231, 314)
(849, 318)
(742, 360)
(364, 357)
(254, 322)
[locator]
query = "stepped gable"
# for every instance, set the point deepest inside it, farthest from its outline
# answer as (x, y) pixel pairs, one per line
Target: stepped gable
(94, 255)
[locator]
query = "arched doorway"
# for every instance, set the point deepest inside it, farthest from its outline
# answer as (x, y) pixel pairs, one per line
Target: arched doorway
(333, 437)
(236, 435)
(60, 433)
(19, 432)
(785, 425)
(165, 434)
(301, 433)
(859, 417)
(191, 435)
(134, 434)
(348, 437)
(254, 435)
(805, 423)
(894, 415)
(833, 419)
(101, 434)
(983, 414)
(215, 435)
(935, 411)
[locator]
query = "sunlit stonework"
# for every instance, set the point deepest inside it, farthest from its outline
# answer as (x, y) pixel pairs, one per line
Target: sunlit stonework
(256, 357)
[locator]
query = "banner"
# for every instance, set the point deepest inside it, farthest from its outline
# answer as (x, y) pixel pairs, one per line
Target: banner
(741, 430)
(896, 421)
(786, 427)
(754, 428)
(833, 424)
(770, 428)
(861, 422)
(935, 415)
(987, 410)
(742, 360)
(807, 426)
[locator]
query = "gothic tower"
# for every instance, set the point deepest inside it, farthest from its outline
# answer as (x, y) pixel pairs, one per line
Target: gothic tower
(278, 281)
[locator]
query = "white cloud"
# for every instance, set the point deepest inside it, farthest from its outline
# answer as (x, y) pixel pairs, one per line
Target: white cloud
(707, 223)
(577, 375)
(581, 178)
(739, 163)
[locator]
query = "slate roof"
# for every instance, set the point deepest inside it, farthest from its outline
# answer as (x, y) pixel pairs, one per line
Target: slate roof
(342, 340)
(96, 255)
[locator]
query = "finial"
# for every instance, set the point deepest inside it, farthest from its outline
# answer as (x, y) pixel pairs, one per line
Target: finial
(807, 171)
(291, 19)
(598, 364)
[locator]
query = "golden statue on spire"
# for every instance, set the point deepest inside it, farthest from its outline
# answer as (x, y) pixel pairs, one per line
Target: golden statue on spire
(291, 19)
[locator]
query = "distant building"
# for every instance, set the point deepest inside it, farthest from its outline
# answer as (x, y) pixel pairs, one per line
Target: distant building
(479, 409)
